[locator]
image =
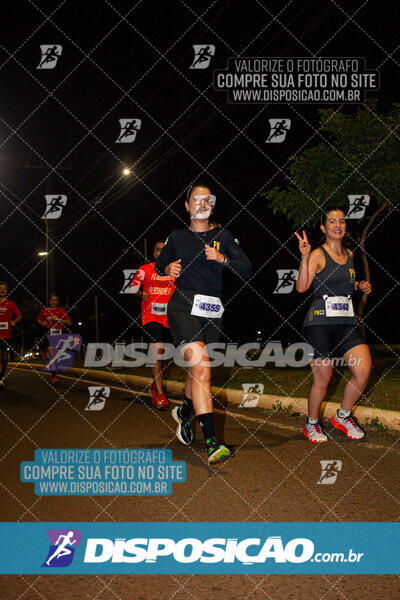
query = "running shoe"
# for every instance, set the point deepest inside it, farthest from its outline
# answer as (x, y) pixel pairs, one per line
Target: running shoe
(184, 430)
(216, 452)
(54, 379)
(162, 402)
(349, 426)
(314, 432)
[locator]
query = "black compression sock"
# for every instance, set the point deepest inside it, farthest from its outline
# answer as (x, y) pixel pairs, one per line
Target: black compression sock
(207, 425)
(186, 408)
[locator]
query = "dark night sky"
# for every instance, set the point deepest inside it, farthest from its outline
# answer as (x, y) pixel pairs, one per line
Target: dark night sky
(114, 67)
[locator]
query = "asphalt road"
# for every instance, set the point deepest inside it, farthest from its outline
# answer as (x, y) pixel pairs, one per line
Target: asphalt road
(272, 476)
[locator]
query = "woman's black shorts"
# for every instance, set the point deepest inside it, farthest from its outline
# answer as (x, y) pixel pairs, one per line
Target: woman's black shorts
(332, 341)
(185, 327)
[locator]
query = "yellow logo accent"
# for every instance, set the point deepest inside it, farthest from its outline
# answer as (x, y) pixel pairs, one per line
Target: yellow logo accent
(352, 273)
(316, 312)
(216, 245)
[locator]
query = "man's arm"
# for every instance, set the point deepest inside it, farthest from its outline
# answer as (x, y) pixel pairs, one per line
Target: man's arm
(17, 314)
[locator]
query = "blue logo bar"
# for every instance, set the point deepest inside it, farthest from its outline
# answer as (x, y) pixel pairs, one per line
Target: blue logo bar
(200, 548)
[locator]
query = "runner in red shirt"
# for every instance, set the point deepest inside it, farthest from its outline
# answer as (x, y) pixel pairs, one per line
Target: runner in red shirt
(53, 318)
(157, 291)
(8, 309)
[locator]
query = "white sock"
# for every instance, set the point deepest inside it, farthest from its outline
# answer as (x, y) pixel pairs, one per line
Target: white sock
(343, 413)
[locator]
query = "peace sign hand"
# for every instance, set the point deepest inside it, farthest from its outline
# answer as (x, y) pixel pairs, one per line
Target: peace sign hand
(304, 244)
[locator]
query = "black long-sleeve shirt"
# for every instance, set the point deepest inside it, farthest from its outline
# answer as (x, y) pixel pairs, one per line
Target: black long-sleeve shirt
(199, 274)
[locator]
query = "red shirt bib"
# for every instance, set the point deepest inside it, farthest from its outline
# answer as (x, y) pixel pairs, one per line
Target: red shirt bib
(53, 317)
(159, 289)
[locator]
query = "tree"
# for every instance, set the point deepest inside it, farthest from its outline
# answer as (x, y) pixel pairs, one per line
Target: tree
(359, 154)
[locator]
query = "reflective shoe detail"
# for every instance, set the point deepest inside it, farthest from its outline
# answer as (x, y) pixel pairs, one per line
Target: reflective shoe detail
(162, 402)
(349, 426)
(314, 432)
(184, 431)
(216, 452)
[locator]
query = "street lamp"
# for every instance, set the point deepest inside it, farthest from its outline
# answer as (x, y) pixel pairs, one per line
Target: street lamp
(43, 253)
(126, 171)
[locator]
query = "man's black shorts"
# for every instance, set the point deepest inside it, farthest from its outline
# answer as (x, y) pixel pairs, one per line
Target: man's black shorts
(332, 341)
(155, 332)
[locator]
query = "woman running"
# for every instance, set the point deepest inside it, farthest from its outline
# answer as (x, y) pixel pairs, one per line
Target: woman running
(53, 318)
(197, 256)
(330, 325)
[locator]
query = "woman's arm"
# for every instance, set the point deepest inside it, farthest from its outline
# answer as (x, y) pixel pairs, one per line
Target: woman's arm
(310, 263)
(235, 258)
(361, 286)
(167, 263)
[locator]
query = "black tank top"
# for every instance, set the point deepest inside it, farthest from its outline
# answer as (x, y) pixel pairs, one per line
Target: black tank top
(334, 280)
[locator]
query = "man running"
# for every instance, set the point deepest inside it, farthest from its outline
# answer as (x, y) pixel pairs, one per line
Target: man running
(357, 206)
(54, 206)
(53, 318)
(62, 549)
(330, 325)
(197, 256)
(203, 55)
(130, 128)
(50, 56)
(279, 129)
(157, 291)
(287, 280)
(99, 397)
(61, 350)
(8, 310)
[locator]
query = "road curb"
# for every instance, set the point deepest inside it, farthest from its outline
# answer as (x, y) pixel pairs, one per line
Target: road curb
(364, 414)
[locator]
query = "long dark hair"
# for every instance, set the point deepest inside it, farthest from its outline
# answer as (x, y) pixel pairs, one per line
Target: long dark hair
(324, 216)
(325, 212)
(195, 184)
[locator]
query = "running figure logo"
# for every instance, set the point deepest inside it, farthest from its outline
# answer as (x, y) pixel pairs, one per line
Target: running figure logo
(357, 206)
(54, 206)
(50, 55)
(251, 394)
(203, 54)
(330, 470)
(97, 397)
(129, 274)
(62, 357)
(279, 129)
(129, 129)
(61, 551)
(286, 281)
